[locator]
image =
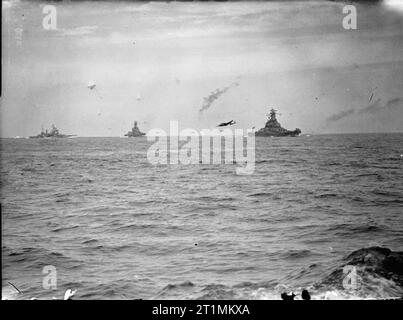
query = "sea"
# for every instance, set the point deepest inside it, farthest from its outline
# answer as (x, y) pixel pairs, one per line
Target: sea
(320, 212)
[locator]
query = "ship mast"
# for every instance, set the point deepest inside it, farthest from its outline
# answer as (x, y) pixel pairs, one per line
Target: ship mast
(272, 115)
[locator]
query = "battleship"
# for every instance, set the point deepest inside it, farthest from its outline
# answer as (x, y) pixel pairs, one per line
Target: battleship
(53, 133)
(274, 129)
(135, 132)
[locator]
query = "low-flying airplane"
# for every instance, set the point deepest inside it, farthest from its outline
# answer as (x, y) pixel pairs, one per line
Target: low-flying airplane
(224, 124)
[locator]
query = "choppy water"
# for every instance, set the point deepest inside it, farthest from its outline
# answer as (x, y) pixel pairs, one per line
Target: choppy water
(117, 227)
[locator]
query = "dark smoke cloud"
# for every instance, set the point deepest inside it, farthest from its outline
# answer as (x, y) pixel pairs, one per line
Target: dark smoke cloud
(208, 101)
(393, 103)
(340, 115)
(372, 108)
(378, 106)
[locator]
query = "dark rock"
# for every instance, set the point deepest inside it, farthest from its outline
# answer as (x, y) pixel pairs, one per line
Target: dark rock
(305, 295)
(287, 297)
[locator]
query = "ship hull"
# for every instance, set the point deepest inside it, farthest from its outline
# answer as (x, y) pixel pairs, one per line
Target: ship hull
(135, 136)
(52, 137)
(287, 133)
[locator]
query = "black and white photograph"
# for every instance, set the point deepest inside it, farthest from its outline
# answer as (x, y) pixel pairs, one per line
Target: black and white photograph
(202, 150)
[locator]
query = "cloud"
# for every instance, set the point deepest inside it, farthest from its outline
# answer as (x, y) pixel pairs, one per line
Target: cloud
(208, 101)
(340, 115)
(84, 30)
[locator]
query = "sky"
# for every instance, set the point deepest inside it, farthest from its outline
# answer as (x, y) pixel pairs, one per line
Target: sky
(156, 62)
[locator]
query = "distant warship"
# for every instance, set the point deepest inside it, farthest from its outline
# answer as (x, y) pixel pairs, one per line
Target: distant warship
(53, 133)
(135, 132)
(274, 129)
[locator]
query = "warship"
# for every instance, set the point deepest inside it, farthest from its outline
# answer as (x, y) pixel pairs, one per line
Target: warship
(135, 132)
(274, 129)
(53, 133)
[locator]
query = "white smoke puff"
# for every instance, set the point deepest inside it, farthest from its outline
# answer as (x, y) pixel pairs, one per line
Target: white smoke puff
(91, 85)
(69, 294)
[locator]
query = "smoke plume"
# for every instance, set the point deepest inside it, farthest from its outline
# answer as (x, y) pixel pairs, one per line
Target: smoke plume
(208, 101)
(340, 115)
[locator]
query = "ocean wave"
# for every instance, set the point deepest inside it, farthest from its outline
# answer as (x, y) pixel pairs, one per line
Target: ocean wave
(379, 276)
(345, 228)
(261, 194)
(296, 254)
(31, 257)
(65, 228)
(328, 195)
(89, 241)
(180, 285)
(379, 273)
